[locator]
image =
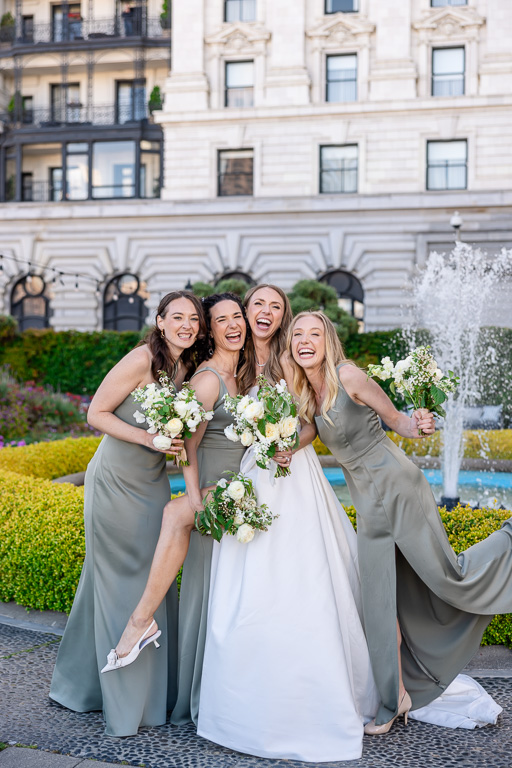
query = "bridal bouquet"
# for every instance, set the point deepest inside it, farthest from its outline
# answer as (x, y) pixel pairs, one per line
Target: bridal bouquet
(169, 413)
(268, 422)
(418, 379)
(232, 507)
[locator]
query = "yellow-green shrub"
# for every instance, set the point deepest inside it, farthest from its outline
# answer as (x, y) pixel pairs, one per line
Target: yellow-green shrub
(466, 526)
(42, 543)
(50, 460)
(478, 443)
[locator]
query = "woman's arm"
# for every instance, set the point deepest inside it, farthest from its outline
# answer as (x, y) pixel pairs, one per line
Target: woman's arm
(365, 391)
(206, 386)
(133, 371)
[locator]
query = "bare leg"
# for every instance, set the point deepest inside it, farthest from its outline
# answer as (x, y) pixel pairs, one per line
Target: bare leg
(171, 550)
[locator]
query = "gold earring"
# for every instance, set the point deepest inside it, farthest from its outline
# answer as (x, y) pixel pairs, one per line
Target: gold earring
(162, 333)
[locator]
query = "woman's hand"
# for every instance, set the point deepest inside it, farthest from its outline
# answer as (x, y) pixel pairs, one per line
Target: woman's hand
(174, 450)
(422, 423)
(283, 458)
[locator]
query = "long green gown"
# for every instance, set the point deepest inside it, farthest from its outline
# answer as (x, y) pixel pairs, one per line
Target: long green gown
(126, 489)
(216, 455)
(408, 568)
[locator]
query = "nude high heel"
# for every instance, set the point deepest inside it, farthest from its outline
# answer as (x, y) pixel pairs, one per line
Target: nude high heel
(403, 709)
(116, 662)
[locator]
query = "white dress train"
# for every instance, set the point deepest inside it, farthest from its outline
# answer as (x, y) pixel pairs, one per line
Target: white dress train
(286, 669)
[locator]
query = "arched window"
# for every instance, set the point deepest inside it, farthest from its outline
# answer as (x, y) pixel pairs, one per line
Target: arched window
(349, 289)
(236, 274)
(124, 303)
(30, 302)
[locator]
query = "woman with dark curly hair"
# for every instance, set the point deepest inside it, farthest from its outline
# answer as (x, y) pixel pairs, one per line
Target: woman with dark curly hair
(210, 454)
(126, 488)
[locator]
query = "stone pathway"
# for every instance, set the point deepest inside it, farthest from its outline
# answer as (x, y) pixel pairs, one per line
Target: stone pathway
(27, 658)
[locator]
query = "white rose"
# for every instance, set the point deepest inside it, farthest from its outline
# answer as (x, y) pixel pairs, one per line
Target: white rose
(245, 533)
(272, 431)
(139, 417)
(181, 408)
(231, 434)
(174, 427)
(236, 490)
(254, 411)
(162, 443)
(288, 426)
(432, 367)
(402, 366)
(438, 374)
(247, 437)
(152, 430)
(238, 519)
(242, 405)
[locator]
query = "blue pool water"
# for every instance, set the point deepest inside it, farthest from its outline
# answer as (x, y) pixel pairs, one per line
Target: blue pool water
(475, 488)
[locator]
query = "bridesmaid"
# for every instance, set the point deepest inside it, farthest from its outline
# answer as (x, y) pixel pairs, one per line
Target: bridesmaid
(210, 454)
(126, 488)
(408, 569)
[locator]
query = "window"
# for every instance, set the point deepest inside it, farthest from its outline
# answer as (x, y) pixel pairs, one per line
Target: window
(240, 10)
(338, 169)
(66, 26)
(442, 3)
(342, 78)
(27, 29)
(27, 181)
(447, 164)
(343, 6)
(124, 307)
(349, 289)
(113, 169)
(27, 106)
(448, 72)
(30, 302)
(65, 103)
(235, 172)
(239, 84)
(150, 168)
(132, 19)
(77, 171)
(130, 101)
(55, 185)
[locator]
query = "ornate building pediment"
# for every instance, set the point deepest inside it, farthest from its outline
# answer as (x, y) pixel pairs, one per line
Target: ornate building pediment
(450, 22)
(333, 32)
(239, 37)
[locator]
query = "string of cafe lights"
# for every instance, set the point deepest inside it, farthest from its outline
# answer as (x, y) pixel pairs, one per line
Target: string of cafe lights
(33, 269)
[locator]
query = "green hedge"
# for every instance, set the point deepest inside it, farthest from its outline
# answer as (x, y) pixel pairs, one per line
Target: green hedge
(67, 361)
(50, 460)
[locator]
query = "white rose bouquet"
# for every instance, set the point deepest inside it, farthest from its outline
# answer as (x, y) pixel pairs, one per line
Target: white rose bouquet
(170, 414)
(268, 422)
(418, 379)
(232, 507)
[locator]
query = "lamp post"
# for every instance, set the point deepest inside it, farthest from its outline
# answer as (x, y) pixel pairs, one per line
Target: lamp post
(456, 223)
(188, 286)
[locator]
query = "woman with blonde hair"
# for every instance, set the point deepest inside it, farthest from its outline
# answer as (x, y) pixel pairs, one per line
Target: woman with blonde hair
(409, 571)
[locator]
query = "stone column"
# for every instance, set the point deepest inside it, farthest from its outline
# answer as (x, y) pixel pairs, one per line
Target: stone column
(187, 86)
(287, 81)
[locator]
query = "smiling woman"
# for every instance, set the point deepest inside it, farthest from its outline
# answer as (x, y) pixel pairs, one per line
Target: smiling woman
(210, 454)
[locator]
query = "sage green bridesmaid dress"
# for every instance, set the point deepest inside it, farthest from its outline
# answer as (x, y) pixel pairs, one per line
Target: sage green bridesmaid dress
(126, 489)
(408, 568)
(216, 455)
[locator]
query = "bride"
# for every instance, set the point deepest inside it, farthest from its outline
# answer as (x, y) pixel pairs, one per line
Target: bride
(286, 670)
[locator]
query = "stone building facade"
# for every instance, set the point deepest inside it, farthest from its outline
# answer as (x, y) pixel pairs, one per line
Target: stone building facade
(328, 139)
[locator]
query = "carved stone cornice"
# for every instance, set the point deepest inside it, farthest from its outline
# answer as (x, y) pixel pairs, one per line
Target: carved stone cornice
(450, 22)
(239, 38)
(341, 31)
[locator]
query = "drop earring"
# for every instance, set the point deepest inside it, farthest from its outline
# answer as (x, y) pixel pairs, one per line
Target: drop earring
(162, 333)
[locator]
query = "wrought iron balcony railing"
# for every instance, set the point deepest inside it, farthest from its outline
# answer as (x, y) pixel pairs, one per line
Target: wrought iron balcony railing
(71, 30)
(78, 114)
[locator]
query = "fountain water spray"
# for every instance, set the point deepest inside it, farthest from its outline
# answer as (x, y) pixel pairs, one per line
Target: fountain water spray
(449, 300)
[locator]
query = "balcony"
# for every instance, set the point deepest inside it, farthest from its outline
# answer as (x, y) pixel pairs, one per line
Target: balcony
(77, 114)
(99, 31)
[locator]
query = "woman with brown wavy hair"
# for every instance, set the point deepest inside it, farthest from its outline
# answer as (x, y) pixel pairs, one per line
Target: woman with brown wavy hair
(126, 489)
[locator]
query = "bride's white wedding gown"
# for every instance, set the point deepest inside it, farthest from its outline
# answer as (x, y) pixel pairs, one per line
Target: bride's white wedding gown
(286, 669)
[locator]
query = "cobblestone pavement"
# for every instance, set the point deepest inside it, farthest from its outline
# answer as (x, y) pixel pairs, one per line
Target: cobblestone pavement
(26, 717)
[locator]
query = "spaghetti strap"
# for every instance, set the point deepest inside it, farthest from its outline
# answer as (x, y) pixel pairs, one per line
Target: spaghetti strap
(222, 385)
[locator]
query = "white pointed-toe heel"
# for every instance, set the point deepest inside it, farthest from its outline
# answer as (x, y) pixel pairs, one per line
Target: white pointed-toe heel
(117, 662)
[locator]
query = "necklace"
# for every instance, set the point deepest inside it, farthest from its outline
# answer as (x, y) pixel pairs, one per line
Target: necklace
(260, 365)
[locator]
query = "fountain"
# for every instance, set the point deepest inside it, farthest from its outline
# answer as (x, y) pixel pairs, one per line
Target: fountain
(450, 299)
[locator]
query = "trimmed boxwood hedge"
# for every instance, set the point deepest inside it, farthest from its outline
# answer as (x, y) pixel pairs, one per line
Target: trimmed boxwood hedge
(42, 543)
